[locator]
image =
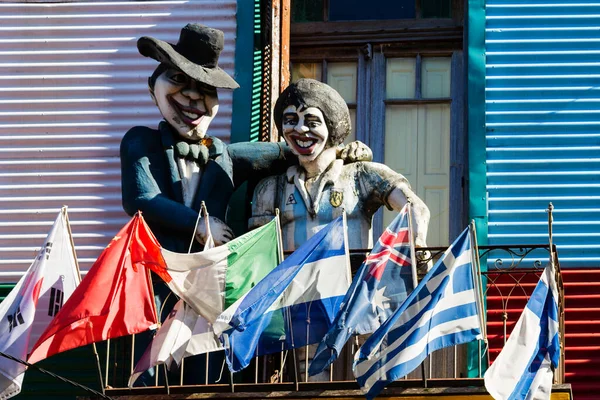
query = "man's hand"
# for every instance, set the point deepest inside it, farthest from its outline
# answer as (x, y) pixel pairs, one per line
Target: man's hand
(353, 152)
(221, 233)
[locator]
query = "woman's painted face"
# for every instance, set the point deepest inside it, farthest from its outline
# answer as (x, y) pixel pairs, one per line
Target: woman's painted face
(305, 131)
(187, 105)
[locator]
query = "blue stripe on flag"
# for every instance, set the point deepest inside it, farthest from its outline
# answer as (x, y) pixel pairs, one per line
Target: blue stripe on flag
(537, 301)
(540, 302)
(461, 285)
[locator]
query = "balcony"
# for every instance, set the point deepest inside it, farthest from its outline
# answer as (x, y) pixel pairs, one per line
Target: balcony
(509, 273)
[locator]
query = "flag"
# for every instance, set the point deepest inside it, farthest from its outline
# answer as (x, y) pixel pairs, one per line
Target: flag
(184, 333)
(293, 305)
(443, 310)
(522, 370)
(114, 299)
(212, 280)
(31, 305)
(382, 283)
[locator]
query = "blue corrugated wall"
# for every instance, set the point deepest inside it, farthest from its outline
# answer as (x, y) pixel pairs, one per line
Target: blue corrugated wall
(543, 125)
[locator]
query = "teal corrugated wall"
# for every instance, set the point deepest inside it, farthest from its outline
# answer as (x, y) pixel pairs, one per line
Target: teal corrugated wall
(543, 125)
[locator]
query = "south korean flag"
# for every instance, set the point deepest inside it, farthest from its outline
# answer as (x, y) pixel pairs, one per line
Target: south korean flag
(30, 306)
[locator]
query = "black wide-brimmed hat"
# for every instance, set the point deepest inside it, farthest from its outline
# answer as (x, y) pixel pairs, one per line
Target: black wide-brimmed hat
(196, 54)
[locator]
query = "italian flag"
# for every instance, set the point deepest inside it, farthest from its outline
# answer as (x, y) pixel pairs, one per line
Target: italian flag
(212, 280)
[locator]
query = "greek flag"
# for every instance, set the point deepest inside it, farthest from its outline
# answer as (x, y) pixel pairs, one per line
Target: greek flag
(444, 310)
(522, 370)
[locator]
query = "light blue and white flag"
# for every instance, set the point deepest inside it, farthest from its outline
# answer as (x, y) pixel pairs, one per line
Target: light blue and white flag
(523, 370)
(443, 310)
(294, 305)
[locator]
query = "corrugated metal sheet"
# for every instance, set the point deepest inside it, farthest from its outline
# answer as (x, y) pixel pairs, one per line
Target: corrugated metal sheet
(543, 125)
(71, 84)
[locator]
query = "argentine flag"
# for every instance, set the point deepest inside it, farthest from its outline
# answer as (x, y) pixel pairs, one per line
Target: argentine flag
(523, 370)
(443, 310)
(294, 305)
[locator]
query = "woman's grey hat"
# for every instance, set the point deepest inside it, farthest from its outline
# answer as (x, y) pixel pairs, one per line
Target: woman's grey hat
(196, 54)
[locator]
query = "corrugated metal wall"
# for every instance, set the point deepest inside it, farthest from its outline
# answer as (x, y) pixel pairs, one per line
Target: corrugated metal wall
(71, 84)
(543, 125)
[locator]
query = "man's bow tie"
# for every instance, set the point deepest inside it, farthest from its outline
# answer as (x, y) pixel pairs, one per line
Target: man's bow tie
(197, 152)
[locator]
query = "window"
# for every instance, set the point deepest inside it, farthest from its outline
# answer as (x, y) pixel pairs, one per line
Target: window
(342, 76)
(403, 82)
(354, 10)
(416, 128)
(417, 134)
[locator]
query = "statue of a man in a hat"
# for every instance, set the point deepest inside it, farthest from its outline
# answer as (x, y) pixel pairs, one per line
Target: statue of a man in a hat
(167, 172)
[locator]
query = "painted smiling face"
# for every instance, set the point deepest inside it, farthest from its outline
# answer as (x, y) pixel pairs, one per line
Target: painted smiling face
(305, 131)
(187, 105)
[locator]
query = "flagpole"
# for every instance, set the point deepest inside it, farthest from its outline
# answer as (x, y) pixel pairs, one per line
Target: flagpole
(415, 279)
(95, 350)
(166, 379)
(412, 248)
(230, 372)
(127, 247)
(107, 359)
(348, 269)
(158, 326)
(158, 322)
(203, 210)
(205, 369)
(279, 236)
(556, 273)
(133, 354)
(550, 238)
(280, 245)
(550, 220)
(256, 367)
(479, 295)
(289, 321)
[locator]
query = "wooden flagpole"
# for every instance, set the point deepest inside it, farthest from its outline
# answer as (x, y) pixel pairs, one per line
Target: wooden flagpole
(479, 293)
(280, 253)
(415, 280)
(205, 211)
(102, 386)
(158, 321)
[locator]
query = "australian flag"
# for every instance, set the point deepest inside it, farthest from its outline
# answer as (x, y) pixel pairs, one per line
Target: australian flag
(382, 283)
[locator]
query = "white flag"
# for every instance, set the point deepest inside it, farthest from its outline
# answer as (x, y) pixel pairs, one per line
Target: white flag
(523, 370)
(30, 306)
(184, 333)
